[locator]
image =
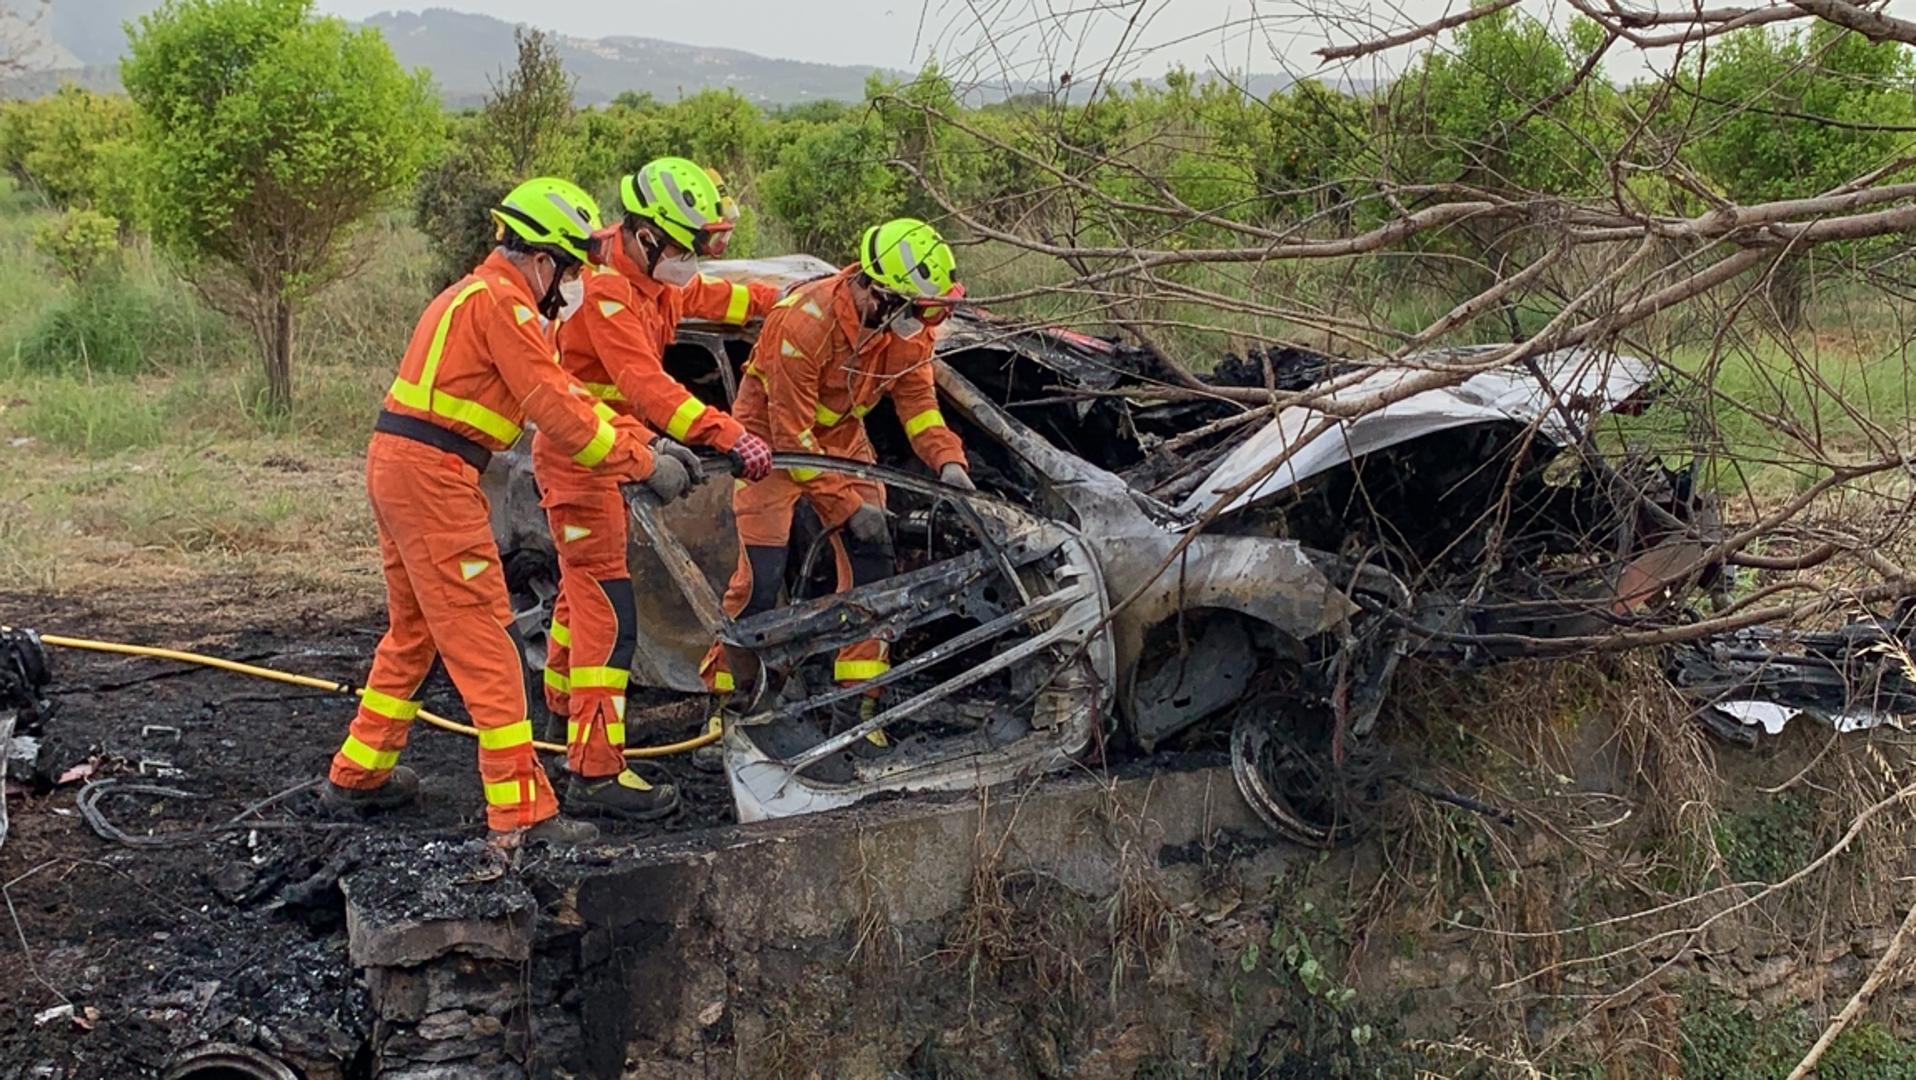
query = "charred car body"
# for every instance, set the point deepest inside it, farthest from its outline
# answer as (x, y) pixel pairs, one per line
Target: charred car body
(1130, 571)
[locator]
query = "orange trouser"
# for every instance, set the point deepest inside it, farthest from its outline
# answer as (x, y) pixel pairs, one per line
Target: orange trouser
(595, 624)
(446, 597)
(764, 512)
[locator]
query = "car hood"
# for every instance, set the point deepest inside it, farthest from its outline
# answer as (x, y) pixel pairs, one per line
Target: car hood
(1586, 382)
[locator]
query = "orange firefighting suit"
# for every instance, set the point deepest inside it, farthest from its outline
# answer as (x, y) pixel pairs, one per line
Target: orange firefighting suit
(477, 366)
(615, 345)
(814, 374)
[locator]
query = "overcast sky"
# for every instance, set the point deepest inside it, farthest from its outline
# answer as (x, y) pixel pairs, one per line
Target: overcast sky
(1033, 39)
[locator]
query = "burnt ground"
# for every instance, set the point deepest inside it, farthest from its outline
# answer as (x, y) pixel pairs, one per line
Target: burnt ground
(237, 936)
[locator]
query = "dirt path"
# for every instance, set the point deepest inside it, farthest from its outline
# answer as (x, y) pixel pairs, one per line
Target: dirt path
(159, 947)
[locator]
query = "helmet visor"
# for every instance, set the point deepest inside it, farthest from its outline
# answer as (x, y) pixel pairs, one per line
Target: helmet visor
(711, 241)
(932, 310)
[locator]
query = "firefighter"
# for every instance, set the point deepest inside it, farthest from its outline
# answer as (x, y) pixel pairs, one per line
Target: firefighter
(828, 352)
(479, 364)
(648, 281)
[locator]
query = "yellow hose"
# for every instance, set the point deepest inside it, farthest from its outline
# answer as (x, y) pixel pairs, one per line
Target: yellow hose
(703, 739)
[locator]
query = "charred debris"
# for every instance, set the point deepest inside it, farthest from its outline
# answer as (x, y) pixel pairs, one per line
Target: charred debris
(1147, 559)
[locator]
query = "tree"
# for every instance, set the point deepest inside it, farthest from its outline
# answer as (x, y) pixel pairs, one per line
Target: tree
(1790, 114)
(831, 183)
(76, 146)
(1494, 112)
(267, 137)
(1508, 110)
(527, 127)
(529, 121)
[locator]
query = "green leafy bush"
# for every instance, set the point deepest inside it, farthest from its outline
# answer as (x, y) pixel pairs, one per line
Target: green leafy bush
(84, 244)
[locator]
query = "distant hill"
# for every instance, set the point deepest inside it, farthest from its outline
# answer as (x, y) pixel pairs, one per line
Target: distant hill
(93, 30)
(465, 51)
(81, 41)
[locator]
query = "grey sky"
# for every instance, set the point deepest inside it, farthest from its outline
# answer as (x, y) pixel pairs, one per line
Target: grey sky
(1032, 39)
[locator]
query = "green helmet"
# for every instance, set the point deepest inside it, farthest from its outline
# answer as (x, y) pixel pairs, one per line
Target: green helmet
(907, 257)
(550, 213)
(681, 199)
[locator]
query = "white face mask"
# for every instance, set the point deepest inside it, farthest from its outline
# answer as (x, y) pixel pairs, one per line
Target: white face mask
(908, 325)
(677, 269)
(572, 293)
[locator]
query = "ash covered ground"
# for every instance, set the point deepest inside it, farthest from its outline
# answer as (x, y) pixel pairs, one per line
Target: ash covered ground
(238, 937)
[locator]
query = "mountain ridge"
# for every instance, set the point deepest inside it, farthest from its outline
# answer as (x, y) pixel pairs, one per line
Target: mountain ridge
(467, 52)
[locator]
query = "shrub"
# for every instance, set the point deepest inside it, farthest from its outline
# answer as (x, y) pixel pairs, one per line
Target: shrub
(84, 244)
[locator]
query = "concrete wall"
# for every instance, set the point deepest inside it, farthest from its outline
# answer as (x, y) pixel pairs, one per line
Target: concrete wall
(844, 945)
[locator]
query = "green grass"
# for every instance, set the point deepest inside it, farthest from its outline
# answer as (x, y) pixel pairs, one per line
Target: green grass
(132, 438)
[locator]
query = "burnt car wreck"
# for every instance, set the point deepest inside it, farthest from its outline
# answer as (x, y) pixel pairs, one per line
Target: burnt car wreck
(1135, 568)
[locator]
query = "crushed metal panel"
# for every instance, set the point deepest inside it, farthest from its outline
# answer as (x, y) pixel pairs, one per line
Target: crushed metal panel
(782, 271)
(1579, 376)
(671, 640)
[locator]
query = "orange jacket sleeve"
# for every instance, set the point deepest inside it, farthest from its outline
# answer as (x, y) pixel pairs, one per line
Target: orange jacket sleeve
(564, 410)
(713, 300)
(797, 348)
(914, 395)
(627, 337)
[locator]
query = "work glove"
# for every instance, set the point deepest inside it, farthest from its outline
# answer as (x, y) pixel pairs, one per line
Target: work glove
(629, 457)
(663, 448)
(955, 475)
(752, 457)
(867, 524)
(668, 481)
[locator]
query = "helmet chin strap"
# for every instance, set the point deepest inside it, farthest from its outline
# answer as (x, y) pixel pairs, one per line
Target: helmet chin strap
(552, 300)
(654, 249)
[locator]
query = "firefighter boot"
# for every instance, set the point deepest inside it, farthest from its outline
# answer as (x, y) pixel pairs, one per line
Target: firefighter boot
(400, 789)
(847, 715)
(626, 795)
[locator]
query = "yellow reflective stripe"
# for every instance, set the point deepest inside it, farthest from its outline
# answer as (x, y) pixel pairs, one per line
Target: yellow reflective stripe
(723, 683)
(741, 304)
(826, 416)
(924, 421)
(603, 411)
(366, 757)
(388, 706)
(859, 670)
(421, 395)
(788, 300)
(476, 415)
(429, 372)
(605, 391)
(560, 633)
(805, 440)
(860, 410)
(506, 792)
(601, 445)
(614, 732)
(803, 475)
(507, 737)
(687, 414)
(600, 678)
(558, 681)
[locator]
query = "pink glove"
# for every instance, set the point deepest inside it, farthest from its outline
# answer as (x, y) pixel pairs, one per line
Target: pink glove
(754, 456)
